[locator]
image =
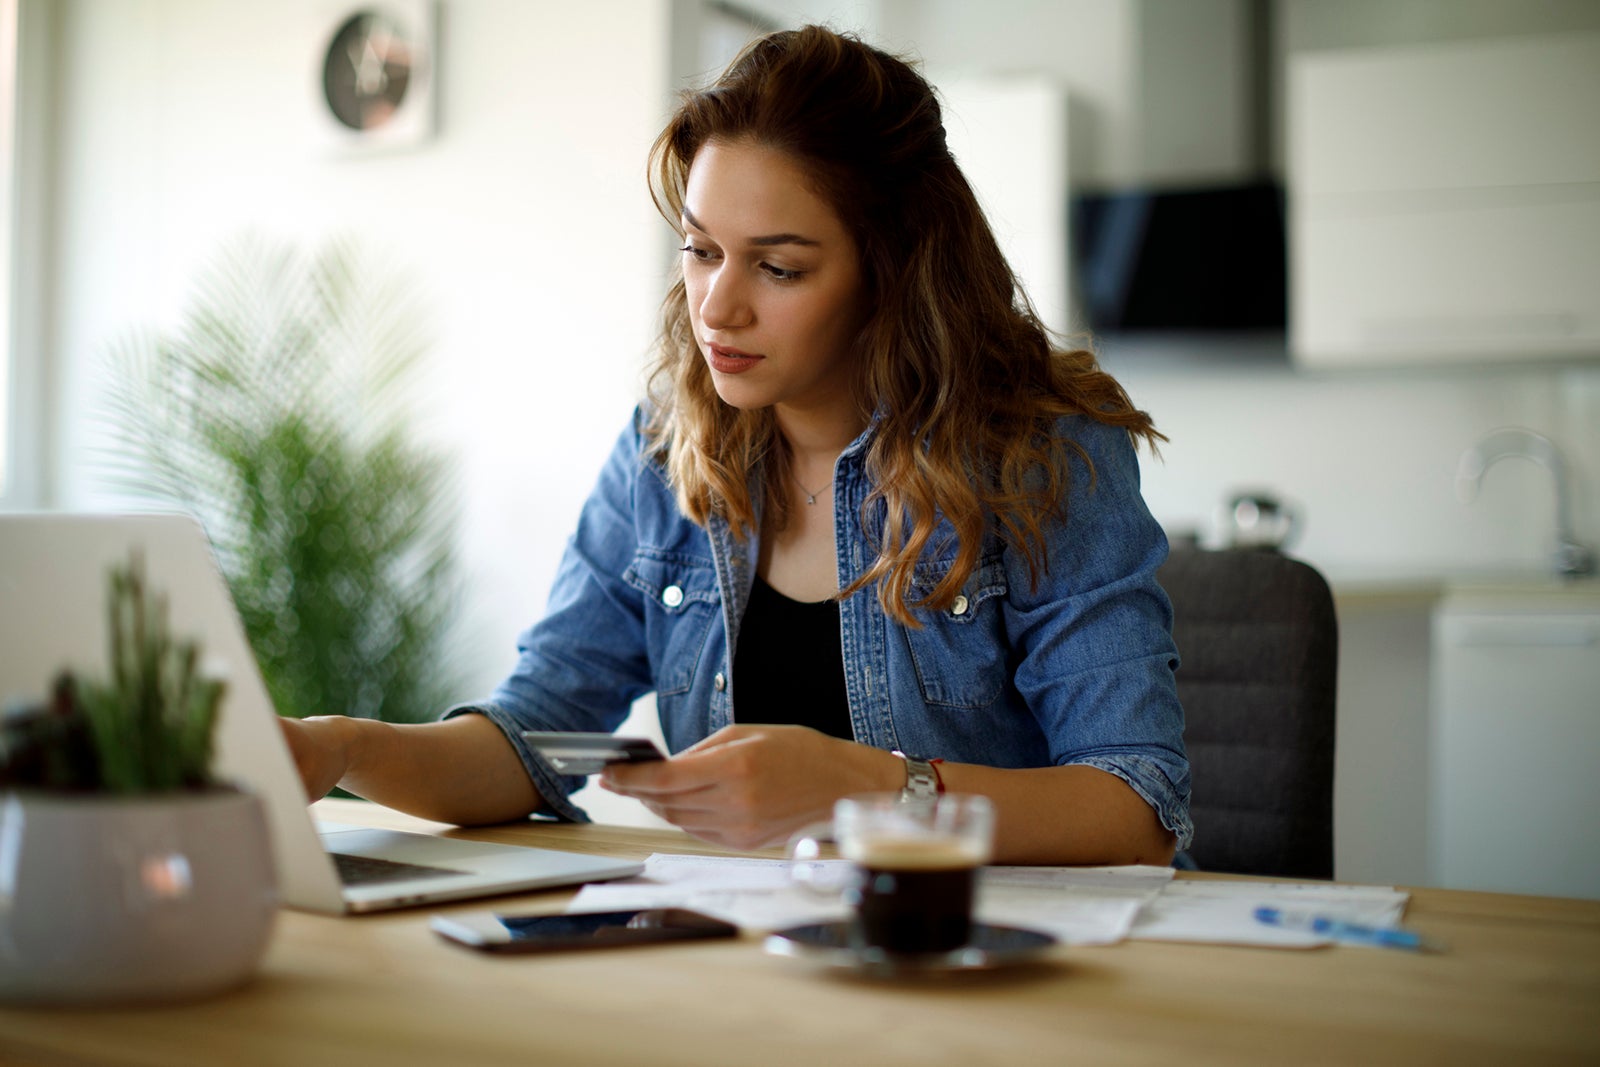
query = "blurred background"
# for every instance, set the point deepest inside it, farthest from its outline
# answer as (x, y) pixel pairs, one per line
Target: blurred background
(1323, 306)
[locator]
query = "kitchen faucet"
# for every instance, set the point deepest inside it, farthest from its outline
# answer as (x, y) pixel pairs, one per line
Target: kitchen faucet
(1571, 559)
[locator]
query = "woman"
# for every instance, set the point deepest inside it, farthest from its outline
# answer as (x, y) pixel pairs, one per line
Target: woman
(867, 510)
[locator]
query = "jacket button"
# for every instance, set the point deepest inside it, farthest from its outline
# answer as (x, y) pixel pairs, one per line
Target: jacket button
(959, 607)
(672, 596)
(720, 681)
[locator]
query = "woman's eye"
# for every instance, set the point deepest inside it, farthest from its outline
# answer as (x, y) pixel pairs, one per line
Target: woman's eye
(708, 255)
(782, 275)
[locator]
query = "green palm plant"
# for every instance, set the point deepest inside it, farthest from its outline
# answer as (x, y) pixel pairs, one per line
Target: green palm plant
(276, 412)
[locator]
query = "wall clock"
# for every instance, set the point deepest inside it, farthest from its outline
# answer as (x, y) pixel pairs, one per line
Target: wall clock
(375, 73)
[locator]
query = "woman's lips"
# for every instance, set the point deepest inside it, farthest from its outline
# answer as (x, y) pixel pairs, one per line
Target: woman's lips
(730, 360)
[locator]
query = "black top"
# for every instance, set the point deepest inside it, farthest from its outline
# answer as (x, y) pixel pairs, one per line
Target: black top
(788, 667)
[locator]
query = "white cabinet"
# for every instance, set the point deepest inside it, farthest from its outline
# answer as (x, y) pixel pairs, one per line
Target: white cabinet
(1515, 741)
(1010, 137)
(1445, 202)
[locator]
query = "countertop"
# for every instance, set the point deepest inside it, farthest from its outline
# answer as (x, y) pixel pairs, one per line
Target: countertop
(1377, 586)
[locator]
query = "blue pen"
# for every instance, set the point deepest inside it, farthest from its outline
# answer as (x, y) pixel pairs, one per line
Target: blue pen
(1343, 932)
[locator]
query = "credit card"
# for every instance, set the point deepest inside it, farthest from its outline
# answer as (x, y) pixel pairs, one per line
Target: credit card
(578, 753)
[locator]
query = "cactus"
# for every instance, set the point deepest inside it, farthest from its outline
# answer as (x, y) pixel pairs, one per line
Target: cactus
(148, 728)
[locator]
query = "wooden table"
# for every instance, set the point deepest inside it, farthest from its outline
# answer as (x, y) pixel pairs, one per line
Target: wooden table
(1520, 983)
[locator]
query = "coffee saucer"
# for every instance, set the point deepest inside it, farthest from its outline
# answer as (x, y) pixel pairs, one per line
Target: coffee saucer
(832, 945)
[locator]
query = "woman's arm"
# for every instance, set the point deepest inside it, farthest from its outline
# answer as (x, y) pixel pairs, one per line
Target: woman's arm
(579, 668)
(748, 786)
(1095, 657)
(462, 771)
(1065, 815)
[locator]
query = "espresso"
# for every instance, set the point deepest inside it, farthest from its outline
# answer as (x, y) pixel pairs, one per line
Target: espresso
(914, 896)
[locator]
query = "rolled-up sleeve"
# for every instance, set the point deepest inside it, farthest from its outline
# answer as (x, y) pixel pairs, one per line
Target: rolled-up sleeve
(1094, 636)
(585, 662)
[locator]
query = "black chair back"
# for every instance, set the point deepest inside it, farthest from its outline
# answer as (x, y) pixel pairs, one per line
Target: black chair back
(1259, 643)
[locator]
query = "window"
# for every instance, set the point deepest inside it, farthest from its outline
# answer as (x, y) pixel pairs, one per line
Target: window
(8, 370)
(27, 36)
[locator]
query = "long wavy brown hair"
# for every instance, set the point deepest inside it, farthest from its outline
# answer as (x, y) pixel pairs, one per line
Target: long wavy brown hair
(952, 361)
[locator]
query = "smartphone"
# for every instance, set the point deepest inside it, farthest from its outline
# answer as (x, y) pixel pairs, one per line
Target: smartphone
(489, 931)
(574, 753)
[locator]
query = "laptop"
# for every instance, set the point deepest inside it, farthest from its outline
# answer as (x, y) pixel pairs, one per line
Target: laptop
(53, 571)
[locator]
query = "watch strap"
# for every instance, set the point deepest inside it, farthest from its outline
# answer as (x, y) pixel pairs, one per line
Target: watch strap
(923, 784)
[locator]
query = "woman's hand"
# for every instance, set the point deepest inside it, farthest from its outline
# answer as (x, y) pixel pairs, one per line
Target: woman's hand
(320, 754)
(462, 770)
(748, 786)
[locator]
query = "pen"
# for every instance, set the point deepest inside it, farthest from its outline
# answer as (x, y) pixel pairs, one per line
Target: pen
(1347, 933)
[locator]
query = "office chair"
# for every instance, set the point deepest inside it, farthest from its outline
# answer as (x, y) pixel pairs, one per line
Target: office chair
(1260, 649)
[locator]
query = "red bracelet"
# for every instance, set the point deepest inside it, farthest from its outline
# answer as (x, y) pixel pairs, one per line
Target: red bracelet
(938, 779)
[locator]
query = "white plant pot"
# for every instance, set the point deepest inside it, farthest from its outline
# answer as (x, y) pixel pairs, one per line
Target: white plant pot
(108, 899)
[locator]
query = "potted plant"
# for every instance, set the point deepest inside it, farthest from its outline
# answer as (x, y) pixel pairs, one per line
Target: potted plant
(127, 871)
(278, 411)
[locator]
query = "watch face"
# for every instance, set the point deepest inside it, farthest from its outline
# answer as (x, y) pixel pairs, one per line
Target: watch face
(367, 70)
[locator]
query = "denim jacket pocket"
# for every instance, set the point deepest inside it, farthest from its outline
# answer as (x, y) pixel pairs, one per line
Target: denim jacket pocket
(681, 601)
(960, 653)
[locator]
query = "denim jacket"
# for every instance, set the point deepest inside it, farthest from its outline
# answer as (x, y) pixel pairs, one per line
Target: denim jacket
(1077, 670)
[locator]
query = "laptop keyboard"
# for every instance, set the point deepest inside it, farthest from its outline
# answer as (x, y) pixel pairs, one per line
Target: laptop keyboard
(366, 870)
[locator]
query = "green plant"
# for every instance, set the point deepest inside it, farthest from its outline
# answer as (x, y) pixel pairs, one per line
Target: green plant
(148, 728)
(276, 412)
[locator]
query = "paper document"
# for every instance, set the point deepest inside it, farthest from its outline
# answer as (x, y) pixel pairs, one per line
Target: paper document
(1223, 912)
(751, 893)
(1080, 905)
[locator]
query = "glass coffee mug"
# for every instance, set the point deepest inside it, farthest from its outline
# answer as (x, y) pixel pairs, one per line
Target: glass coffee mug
(913, 869)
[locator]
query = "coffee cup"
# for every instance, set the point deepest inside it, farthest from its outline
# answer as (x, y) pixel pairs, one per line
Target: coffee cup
(913, 867)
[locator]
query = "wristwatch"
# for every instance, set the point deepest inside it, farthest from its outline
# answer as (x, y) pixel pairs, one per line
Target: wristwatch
(923, 784)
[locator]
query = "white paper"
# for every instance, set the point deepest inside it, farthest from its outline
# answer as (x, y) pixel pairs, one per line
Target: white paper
(1223, 912)
(753, 893)
(1079, 905)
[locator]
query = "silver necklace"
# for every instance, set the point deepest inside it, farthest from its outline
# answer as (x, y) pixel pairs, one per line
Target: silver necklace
(811, 498)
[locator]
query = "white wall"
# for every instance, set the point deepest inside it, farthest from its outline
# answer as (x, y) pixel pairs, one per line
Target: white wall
(1370, 460)
(525, 221)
